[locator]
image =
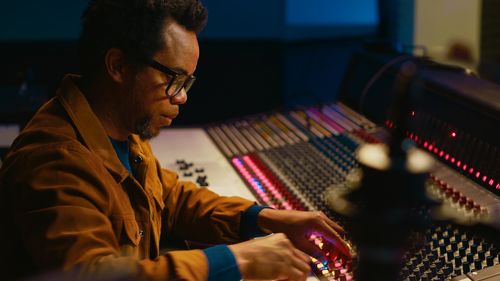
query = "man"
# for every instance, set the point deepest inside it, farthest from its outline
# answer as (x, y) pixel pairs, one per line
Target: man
(82, 191)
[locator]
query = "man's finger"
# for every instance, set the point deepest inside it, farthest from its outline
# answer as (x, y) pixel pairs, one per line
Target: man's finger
(333, 237)
(335, 226)
(301, 261)
(303, 256)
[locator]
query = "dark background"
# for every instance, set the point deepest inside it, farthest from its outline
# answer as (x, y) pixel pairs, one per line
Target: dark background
(255, 55)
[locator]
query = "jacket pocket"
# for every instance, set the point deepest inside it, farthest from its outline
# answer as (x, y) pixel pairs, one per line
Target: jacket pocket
(130, 238)
(128, 235)
(131, 232)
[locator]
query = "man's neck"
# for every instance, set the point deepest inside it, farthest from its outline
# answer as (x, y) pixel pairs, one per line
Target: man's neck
(106, 107)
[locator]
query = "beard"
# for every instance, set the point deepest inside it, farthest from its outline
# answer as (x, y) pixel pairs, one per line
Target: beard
(145, 129)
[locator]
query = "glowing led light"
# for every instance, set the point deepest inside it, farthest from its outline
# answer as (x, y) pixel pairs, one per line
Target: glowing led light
(453, 134)
(459, 163)
(441, 153)
(478, 174)
(471, 170)
(436, 150)
(254, 183)
(430, 147)
(426, 144)
(491, 182)
(447, 156)
(464, 167)
(267, 183)
(498, 186)
(452, 160)
(485, 178)
(413, 113)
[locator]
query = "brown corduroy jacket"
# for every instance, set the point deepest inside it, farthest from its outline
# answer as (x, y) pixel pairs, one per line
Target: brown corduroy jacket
(69, 204)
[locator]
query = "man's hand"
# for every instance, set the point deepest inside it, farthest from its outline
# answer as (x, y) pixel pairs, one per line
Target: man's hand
(299, 225)
(270, 258)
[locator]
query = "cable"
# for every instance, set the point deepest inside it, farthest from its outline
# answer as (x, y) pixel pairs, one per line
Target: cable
(377, 75)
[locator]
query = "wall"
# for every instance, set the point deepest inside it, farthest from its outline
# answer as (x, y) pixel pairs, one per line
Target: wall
(255, 55)
(243, 19)
(441, 23)
(40, 20)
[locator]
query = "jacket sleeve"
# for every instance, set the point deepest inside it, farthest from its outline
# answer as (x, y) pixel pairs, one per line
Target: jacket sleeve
(60, 210)
(199, 214)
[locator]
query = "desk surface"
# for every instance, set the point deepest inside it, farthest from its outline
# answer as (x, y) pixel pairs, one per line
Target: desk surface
(194, 146)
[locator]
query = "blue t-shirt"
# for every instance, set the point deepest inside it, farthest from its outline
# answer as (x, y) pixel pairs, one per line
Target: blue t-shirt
(123, 152)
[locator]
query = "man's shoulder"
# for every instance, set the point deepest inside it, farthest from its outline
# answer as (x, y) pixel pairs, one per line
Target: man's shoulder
(50, 128)
(49, 136)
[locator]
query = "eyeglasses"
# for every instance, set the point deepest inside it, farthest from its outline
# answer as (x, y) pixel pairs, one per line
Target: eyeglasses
(177, 81)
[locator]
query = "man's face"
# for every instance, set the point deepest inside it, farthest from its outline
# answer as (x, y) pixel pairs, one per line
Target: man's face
(151, 108)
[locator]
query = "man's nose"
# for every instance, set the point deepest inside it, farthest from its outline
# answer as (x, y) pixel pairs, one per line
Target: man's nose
(180, 98)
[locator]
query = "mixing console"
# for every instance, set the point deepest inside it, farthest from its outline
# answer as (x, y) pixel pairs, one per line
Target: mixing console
(293, 159)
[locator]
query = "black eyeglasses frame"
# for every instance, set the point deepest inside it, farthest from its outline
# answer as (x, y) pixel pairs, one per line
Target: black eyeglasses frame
(188, 80)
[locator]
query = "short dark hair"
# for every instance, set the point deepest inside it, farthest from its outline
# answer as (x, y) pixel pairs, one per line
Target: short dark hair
(133, 26)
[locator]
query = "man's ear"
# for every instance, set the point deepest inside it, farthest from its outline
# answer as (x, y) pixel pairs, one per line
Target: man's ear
(115, 64)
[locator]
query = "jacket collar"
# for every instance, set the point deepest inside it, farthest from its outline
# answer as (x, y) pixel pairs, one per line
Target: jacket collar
(88, 125)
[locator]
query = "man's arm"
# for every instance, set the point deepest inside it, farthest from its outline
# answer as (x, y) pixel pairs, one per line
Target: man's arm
(199, 214)
(61, 210)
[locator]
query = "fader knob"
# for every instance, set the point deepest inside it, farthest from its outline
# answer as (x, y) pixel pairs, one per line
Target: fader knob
(481, 254)
(454, 245)
(489, 260)
(461, 251)
(426, 263)
(433, 269)
(440, 275)
(478, 265)
(473, 248)
(470, 257)
(449, 255)
(466, 267)
(493, 251)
